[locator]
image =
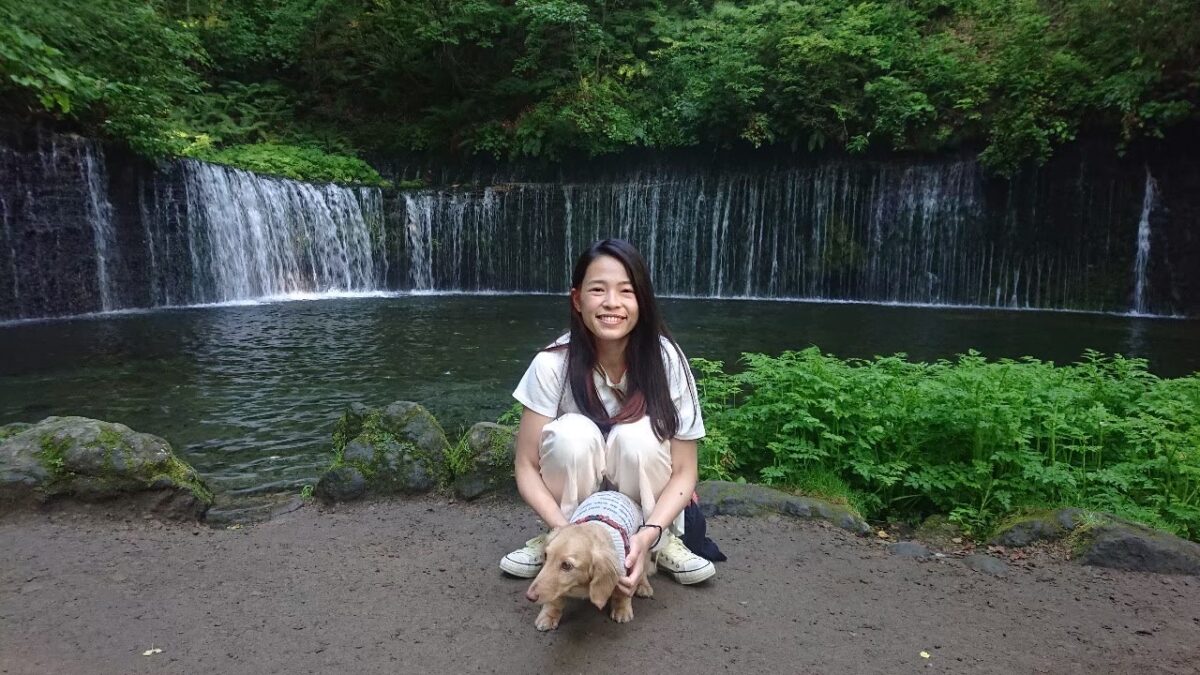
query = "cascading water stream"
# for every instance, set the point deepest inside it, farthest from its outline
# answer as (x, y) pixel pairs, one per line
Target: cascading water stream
(891, 234)
(252, 237)
(91, 163)
(419, 210)
(1142, 258)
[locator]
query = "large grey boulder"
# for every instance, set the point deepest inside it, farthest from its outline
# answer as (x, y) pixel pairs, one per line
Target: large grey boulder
(398, 449)
(1128, 546)
(487, 461)
(92, 460)
(747, 499)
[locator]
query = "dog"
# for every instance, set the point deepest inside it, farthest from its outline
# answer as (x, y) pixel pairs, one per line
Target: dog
(582, 561)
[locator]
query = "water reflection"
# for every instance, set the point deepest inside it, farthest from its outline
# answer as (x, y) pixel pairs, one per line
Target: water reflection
(249, 394)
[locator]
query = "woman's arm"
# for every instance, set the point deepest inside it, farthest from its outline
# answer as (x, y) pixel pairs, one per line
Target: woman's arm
(675, 496)
(527, 467)
(678, 491)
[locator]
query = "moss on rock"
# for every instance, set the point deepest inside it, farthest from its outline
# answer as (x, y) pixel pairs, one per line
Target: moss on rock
(77, 457)
(398, 449)
(483, 460)
(9, 430)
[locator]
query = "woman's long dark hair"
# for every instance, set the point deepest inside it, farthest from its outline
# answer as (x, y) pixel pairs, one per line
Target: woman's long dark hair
(647, 390)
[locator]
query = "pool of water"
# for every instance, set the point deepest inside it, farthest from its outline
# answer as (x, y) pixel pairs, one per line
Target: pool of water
(249, 394)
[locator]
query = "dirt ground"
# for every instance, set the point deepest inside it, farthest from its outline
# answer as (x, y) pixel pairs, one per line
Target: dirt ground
(413, 587)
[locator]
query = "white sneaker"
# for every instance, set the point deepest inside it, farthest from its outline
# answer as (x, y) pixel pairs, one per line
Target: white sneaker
(681, 564)
(526, 561)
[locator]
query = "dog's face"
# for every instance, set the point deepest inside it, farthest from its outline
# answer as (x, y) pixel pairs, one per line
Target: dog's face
(580, 563)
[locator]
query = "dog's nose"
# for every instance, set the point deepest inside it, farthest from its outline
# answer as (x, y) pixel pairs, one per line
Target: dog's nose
(530, 594)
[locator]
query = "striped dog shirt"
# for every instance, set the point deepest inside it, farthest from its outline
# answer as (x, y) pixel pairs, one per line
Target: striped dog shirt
(619, 513)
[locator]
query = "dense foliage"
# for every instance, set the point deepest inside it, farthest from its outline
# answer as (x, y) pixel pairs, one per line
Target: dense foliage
(550, 78)
(974, 439)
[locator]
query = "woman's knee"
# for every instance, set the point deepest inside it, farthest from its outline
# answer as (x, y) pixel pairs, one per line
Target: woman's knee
(636, 443)
(570, 439)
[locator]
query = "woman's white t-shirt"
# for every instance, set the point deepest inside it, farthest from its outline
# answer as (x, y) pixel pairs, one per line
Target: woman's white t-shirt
(545, 390)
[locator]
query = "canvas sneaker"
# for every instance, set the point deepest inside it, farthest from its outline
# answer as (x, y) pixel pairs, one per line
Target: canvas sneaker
(678, 561)
(526, 561)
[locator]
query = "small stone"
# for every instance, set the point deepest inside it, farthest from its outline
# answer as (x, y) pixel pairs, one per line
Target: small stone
(909, 549)
(986, 564)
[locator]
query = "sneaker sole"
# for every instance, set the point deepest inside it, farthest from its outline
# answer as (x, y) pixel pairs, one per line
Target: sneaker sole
(519, 569)
(692, 576)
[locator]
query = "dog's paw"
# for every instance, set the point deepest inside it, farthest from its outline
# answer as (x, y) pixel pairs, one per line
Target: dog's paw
(622, 612)
(644, 590)
(547, 620)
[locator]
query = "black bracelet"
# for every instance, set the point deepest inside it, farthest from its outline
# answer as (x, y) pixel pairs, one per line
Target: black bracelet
(657, 527)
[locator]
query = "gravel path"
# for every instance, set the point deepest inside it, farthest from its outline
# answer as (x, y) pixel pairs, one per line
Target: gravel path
(412, 586)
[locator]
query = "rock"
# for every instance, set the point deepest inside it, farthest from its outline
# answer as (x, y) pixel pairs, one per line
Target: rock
(10, 430)
(341, 484)
(909, 549)
(748, 499)
(1047, 526)
(487, 465)
(986, 564)
(1127, 546)
(399, 449)
(92, 460)
(939, 532)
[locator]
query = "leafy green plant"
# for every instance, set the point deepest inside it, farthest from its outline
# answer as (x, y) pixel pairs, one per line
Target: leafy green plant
(290, 161)
(971, 438)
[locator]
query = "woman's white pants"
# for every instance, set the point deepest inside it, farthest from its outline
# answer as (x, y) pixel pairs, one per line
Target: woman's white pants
(576, 459)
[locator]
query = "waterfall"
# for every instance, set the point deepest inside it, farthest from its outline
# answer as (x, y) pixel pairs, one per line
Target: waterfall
(890, 233)
(91, 164)
(251, 236)
(83, 230)
(417, 231)
(1142, 257)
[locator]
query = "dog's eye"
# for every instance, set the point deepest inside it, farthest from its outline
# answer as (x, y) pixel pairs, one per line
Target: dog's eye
(567, 566)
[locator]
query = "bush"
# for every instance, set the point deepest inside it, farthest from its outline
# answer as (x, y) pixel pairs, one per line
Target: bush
(970, 438)
(294, 162)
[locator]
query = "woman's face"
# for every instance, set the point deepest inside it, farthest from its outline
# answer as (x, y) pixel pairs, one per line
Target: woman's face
(606, 301)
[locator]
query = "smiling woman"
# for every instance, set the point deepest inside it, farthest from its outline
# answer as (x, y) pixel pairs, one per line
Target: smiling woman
(611, 404)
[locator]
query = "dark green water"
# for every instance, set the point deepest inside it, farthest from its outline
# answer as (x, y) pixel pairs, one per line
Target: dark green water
(249, 394)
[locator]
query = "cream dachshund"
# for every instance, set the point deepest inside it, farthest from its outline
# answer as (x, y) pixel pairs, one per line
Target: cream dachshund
(583, 560)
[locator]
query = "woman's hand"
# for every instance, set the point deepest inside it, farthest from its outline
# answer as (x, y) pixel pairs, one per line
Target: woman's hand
(636, 561)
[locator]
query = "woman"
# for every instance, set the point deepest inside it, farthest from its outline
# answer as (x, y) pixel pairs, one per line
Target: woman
(611, 405)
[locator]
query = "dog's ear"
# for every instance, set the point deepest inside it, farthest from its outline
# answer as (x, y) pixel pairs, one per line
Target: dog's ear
(552, 534)
(604, 578)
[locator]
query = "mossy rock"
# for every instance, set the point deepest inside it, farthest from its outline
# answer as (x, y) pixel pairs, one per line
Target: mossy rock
(9, 430)
(341, 484)
(1028, 528)
(93, 460)
(748, 499)
(1104, 540)
(399, 449)
(488, 465)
